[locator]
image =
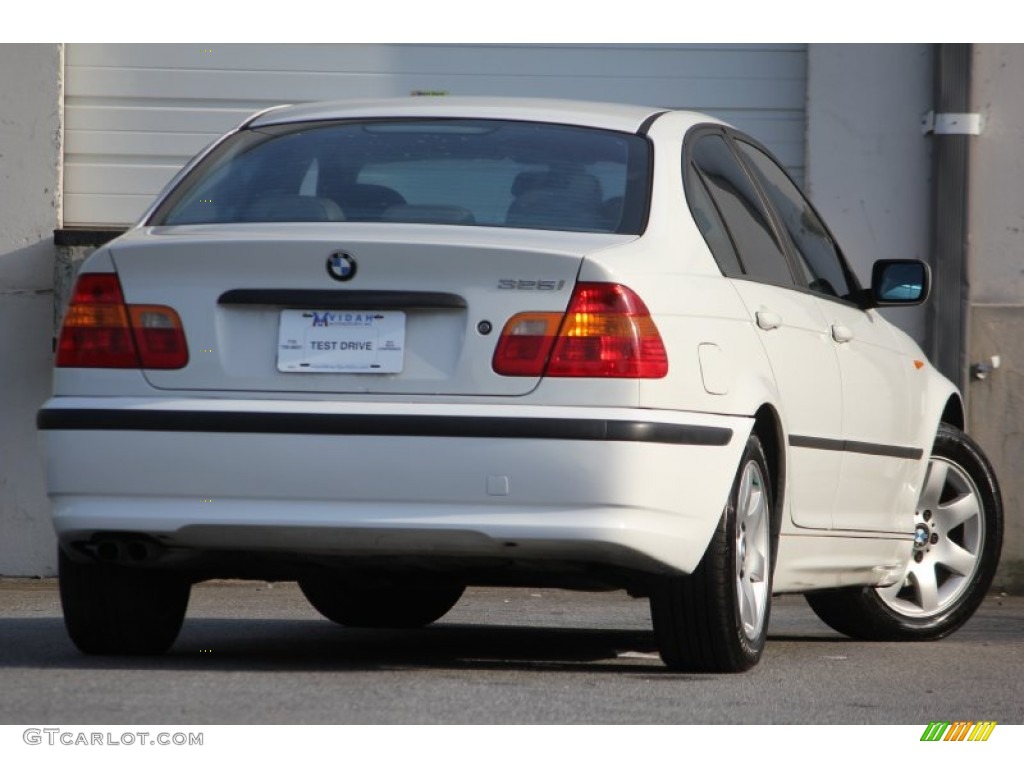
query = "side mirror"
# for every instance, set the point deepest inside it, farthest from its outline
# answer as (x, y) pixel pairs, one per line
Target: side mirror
(899, 283)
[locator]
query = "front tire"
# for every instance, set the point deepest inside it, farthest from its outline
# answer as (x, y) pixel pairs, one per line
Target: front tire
(716, 619)
(378, 606)
(959, 529)
(113, 610)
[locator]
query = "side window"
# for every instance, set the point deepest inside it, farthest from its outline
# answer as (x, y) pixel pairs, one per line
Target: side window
(817, 254)
(742, 211)
(709, 222)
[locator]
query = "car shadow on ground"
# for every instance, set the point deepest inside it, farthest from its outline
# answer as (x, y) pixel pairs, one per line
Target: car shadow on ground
(214, 644)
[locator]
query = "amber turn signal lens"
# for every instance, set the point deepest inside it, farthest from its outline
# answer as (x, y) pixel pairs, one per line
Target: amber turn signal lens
(606, 332)
(101, 331)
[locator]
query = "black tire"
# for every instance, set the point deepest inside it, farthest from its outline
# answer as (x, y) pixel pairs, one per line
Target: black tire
(391, 605)
(716, 619)
(956, 552)
(112, 610)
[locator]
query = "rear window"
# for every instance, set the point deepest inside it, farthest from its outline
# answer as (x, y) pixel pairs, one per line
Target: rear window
(487, 173)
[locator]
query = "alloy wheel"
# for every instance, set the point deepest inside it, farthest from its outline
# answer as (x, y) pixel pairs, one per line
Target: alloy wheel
(752, 550)
(948, 538)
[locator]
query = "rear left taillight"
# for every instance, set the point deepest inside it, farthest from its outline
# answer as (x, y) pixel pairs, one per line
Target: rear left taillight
(101, 331)
(606, 332)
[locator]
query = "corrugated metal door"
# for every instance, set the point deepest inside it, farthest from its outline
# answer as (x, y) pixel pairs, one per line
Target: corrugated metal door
(134, 114)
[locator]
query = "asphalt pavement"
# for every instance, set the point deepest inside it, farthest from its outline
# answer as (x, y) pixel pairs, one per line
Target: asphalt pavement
(252, 652)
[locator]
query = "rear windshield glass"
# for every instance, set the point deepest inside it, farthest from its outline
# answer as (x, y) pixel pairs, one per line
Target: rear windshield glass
(465, 172)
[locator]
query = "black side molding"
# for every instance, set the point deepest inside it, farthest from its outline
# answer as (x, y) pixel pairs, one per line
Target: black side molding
(854, 446)
(235, 422)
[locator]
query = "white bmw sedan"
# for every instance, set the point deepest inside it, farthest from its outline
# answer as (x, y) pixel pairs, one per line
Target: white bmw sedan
(393, 349)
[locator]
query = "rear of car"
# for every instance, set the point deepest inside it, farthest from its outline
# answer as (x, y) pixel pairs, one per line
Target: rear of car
(360, 344)
(391, 350)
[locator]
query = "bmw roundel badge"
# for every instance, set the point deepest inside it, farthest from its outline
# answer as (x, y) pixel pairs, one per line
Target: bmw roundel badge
(341, 266)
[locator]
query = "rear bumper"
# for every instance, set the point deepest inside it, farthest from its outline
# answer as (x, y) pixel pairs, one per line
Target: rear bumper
(626, 487)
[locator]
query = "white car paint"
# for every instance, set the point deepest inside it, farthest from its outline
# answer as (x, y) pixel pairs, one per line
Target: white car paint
(560, 500)
(829, 373)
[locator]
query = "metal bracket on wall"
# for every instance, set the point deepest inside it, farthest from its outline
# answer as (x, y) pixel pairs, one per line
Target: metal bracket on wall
(952, 123)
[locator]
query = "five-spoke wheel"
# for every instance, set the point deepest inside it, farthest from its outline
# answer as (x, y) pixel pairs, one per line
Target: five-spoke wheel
(753, 537)
(957, 539)
(716, 619)
(948, 543)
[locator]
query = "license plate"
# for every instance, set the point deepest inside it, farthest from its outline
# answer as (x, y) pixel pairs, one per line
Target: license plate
(332, 341)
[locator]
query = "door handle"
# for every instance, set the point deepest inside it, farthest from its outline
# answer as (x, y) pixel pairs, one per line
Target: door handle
(767, 321)
(841, 334)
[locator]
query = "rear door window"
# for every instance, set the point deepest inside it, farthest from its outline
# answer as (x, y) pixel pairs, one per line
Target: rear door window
(709, 222)
(741, 209)
(817, 255)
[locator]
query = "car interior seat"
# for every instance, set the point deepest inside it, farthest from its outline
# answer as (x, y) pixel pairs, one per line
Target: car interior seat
(556, 200)
(363, 202)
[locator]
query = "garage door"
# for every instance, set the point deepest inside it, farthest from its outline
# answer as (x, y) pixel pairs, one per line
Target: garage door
(134, 114)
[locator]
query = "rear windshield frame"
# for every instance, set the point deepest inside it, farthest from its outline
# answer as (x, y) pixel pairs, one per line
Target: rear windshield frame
(637, 181)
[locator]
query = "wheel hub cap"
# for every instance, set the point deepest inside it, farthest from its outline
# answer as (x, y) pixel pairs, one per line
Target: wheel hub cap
(948, 538)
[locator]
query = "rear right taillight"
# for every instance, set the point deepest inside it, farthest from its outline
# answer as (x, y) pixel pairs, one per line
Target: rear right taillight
(101, 331)
(606, 332)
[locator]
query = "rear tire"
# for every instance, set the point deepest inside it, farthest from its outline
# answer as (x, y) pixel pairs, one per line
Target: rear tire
(716, 619)
(113, 610)
(390, 605)
(959, 521)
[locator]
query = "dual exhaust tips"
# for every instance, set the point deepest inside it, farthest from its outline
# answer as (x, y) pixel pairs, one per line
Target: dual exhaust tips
(125, 551)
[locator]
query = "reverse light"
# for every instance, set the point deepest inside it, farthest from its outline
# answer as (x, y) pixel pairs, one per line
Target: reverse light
(101, 331)
(606, 332)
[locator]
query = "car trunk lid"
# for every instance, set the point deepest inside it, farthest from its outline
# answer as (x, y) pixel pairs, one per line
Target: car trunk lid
(348, 308)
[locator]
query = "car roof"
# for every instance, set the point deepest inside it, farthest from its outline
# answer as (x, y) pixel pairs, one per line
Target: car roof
(619, 117)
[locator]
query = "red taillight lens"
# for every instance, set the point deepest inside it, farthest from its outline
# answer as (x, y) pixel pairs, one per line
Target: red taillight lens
(101, 331)
(158, 336)
(96, 333)
(525, 344)
(607, 332)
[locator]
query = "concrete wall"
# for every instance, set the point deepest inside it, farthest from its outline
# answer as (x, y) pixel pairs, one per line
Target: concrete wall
(30, 150)
(868, 163)
(869, 171)
(996, 269)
